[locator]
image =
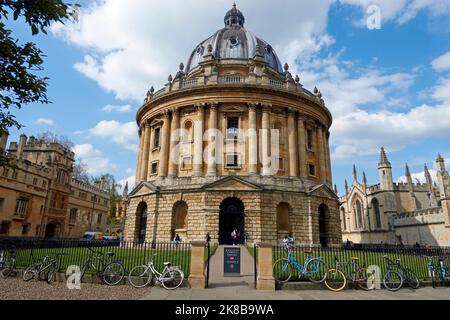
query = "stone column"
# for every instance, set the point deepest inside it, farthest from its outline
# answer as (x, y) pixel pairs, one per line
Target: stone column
(212, 155)
(164, 152)
(174, 140)
(145, 151)
(293, 154)
(197, 278)
(252, 140)
(139, 157)
(198, 141)
(265, 141)
(321, 154)
(265, 279)
(302, 146)
(330, 172)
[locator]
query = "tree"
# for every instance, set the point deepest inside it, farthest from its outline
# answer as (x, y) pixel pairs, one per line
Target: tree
(19, 63)
(80, 171)
(51, 137)
(109, 184)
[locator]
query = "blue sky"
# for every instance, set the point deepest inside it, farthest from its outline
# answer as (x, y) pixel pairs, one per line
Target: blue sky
(388, 87)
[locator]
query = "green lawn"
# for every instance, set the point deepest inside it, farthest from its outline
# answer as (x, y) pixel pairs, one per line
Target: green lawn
(130, 257)
(418, 264)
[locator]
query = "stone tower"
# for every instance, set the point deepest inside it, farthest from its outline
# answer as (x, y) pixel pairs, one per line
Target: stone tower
(444, 186)
(385, 172)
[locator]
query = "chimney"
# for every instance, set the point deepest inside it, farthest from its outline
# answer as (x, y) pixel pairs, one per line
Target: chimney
(22, 143)
(3, 140)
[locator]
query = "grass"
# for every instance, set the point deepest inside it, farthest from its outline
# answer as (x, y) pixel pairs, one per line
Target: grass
(418, 264)
(130, 257)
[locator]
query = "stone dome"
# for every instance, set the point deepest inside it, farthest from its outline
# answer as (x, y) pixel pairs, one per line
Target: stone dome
(234, 42)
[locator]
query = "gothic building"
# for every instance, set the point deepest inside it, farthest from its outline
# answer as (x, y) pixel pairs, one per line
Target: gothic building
(396, 213)
(39, 198)
(233, 141)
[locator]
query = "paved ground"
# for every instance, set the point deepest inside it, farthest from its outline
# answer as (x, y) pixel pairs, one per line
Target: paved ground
(17, 289)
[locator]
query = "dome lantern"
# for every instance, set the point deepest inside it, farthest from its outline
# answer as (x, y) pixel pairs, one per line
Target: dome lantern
(234, 18)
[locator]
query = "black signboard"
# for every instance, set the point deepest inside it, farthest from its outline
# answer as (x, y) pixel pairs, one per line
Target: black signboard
(232, 262)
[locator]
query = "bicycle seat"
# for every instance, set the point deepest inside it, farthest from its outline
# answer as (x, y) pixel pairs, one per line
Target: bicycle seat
(354, 258)
(167, 264)
(109, 254)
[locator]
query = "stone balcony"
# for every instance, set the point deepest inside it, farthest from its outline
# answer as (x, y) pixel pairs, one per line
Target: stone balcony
(251, 79)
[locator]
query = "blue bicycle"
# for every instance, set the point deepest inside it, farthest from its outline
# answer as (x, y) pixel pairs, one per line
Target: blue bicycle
(314, 268)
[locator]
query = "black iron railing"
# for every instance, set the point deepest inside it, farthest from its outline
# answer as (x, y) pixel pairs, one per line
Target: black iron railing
(76, 252)
(412, 257)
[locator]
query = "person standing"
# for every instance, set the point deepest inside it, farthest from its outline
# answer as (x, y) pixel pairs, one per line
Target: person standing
(234, 236)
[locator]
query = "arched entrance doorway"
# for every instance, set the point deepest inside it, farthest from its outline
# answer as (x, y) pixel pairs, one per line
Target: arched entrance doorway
(231, 217)
(50, 230)
(323, 213)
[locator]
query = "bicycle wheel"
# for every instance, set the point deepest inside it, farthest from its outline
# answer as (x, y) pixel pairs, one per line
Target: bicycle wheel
(140, 276)
(392, 281)
(335, 280)
(316, 270)
(282, 270)
(113, 273)
(51, 273)
(9, 266)
(411, 279)
(30, 272)
(172, 278)
(365, 280)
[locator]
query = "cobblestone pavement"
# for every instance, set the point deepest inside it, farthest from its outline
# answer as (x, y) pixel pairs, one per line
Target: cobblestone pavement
(17, 289)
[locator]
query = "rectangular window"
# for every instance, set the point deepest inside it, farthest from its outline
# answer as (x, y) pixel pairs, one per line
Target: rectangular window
(15, 175)
(4, 228)
(21, 207)
(2, 201)
(309, 135)
(154, 168)
(281, 164)
(157, 141)
(99, 218)
(232, 128)
(44, 184)
(311, 170)
(35, 181)
(187, 163)
(25, 229)
(233, 160)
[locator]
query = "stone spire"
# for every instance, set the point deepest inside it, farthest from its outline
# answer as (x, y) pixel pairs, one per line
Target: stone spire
(384, 162)
(346, 186)
(428, 177)
(440, 163)
(364, 179)
(125, 191)
(409, 177)
(335, 189)
(355, 174)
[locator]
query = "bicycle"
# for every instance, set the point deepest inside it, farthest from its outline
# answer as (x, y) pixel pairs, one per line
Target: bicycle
(337, 278)
(313, 268)
(170, 278)
(110, 272)
(438, 269)
(7, 263)
(44, 269)
(396, 275)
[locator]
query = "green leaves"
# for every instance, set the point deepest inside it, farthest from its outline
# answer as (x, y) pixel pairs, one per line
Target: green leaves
(19, 63)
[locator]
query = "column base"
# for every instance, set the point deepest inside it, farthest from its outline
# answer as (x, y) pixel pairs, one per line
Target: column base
(197, 282)
(265, 283)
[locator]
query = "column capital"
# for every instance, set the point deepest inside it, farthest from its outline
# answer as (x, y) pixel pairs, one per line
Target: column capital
(291, 111)
(266, 107)
(166, 114)
(147, 124)
(200, 107)
(176, 111)
(252, 106)
(214, 105)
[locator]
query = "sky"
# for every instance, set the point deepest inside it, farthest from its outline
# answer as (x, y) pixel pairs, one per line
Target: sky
(387, 84)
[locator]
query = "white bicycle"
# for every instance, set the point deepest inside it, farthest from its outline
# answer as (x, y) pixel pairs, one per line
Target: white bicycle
(170, 278)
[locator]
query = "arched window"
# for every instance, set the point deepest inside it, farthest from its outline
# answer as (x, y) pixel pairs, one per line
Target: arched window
(142, 222)
(377, 214)
(283, 223)
(343, 219)
(358, 215)
(179, 219)
(278, 126)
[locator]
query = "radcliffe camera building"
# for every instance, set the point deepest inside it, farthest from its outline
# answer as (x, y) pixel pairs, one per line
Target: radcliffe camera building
(205, 139)
(398, 213)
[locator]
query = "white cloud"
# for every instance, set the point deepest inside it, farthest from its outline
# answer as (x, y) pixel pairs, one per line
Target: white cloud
(45, 122)
(131, 47)
(131, 183)
(121, 109)
(420, 176)
(124, 134)
(94, 158)
(442, 63)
